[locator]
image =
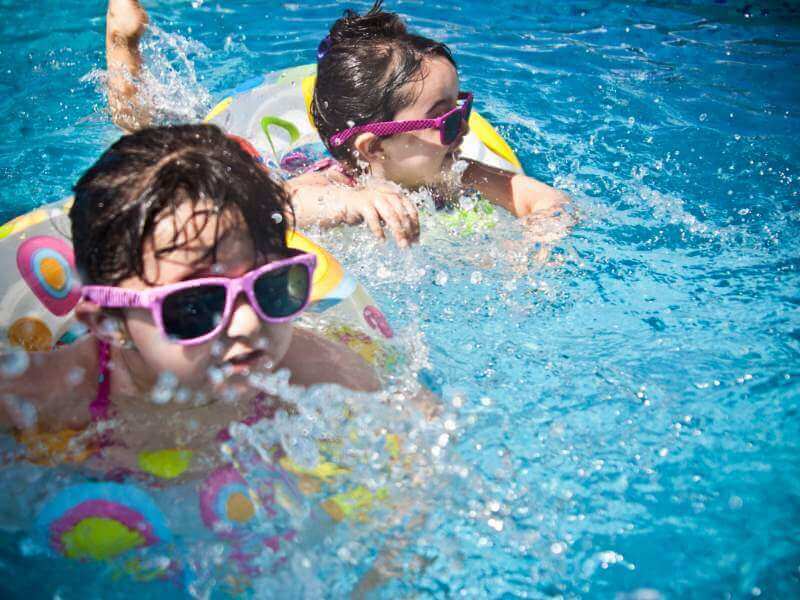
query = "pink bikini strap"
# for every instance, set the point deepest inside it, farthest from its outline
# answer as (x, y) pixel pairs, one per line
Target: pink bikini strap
(99, 408)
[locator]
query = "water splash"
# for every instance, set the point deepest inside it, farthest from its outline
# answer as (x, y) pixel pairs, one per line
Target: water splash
(168, 87)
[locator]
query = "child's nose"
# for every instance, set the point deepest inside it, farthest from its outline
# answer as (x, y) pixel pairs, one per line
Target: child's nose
(244, 319)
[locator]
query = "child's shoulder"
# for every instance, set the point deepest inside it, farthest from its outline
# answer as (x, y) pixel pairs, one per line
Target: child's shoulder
(57, 387)
(314, 359)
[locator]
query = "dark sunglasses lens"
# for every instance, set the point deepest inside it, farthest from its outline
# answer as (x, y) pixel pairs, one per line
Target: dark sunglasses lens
(452, 127)
(283, 292)
(193, 312)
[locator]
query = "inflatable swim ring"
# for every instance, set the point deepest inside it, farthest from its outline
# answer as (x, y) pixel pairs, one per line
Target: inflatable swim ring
(40, 287)
(272, 112)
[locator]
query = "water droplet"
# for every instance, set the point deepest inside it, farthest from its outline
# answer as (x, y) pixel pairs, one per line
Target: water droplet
(558, 548)
(23, 414)
(75, 376)
(703, 116)
(165, 388)
(14, 363)
(216, 375)
(476, 277)
(441, 278)
(459, 167)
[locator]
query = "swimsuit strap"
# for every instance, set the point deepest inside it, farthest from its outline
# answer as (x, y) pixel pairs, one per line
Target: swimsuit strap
(99, 408)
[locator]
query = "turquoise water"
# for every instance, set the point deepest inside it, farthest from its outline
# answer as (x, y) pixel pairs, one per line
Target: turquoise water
(628, 412)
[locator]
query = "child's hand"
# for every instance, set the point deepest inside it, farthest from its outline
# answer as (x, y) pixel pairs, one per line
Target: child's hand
(532, 197)
(380, 206)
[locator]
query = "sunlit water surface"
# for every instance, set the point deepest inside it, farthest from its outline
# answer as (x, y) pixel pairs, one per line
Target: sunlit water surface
(622, 416)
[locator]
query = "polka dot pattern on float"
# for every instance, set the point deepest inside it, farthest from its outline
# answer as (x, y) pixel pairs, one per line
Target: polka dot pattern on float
(30, 334)
(225, 502)
(47, 265)
(101, 521)
(376, 320)
(233, 509)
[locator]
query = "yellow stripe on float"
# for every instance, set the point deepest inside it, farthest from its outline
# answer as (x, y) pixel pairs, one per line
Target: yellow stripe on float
(308, 95)
(32, 218)
(491, 139)
(328, 274)
(218, 109)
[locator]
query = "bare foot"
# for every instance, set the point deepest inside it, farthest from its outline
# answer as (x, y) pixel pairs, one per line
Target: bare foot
(126, 21)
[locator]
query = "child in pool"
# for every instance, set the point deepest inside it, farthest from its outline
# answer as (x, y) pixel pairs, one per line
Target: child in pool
(161, 212)
(370, 70)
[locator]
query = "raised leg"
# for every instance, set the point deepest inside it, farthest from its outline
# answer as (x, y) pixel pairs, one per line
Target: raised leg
(126, 21)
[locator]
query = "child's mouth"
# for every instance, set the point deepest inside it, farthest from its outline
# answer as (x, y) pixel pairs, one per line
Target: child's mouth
(244, 361)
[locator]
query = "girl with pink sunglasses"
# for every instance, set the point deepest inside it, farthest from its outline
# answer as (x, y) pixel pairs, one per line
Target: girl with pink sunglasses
(389, 108)
(189, 286)
(388, 103)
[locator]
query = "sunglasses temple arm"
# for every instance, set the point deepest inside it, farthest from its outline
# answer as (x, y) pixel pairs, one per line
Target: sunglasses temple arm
(111, 297)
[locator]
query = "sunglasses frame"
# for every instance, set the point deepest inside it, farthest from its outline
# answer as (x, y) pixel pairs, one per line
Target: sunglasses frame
(389, 128)
(153, 298)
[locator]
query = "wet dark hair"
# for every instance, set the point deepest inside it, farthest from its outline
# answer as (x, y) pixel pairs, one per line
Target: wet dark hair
(363, 65)
(147, 176)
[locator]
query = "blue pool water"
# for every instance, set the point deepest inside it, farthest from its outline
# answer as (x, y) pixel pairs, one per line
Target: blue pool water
(627, 413)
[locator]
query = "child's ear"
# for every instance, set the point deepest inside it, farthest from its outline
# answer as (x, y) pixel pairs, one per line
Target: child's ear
(102, 325)
(369, 147)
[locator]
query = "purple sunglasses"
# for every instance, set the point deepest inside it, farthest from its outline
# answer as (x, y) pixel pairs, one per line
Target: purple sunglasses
(449, 125)
(195, 311)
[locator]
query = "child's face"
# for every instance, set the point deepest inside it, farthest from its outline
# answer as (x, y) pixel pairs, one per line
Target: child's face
(245, 343)
(418, 158)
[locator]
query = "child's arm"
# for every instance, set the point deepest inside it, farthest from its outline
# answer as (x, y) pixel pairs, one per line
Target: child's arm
(52, 391)
(317, 200)
(313, 359)
(126, 21)
(517, 193)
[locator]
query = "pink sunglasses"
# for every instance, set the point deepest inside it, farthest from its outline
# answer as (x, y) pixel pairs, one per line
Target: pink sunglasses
(195, 311)
(449, 125)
